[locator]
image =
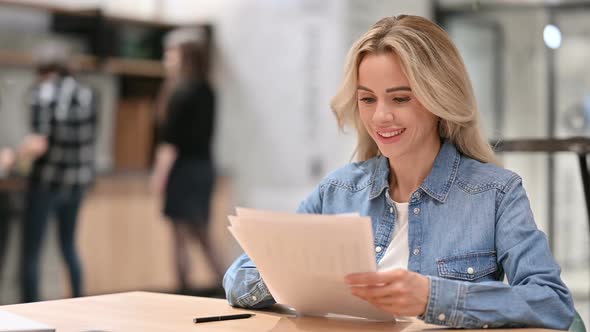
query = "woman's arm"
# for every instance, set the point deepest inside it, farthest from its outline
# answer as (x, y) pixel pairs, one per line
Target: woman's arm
(35, 144)
(535, 297)
(166, 154)
(244, 287)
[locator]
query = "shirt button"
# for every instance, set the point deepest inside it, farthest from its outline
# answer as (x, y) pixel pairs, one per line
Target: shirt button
(254, 298)
(416, 210)
(417, 195)
(391, 210)
(470, 270)
(485, 326)
(416, 252)
(442, 317)
(378, 249)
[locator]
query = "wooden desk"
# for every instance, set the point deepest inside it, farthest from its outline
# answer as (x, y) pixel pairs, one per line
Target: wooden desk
(145, 312)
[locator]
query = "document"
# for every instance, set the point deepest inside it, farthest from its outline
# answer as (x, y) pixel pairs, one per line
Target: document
(10, 322)
(303, 258)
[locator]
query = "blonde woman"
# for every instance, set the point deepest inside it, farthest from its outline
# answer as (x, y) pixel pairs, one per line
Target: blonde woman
(449, 223)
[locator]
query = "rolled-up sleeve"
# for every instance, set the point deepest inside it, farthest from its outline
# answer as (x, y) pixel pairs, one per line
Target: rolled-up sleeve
(244, 287)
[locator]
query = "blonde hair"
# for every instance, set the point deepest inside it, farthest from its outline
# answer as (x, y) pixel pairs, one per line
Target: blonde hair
(437, 76)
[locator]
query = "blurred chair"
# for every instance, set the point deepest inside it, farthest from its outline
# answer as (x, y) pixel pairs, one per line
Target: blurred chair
(577, 324)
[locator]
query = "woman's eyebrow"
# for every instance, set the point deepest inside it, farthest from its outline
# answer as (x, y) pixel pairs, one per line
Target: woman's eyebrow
(398, 88)
(393, 89)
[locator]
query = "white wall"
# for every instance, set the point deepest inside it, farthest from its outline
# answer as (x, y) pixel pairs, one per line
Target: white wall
(573, 88)
(525, 101)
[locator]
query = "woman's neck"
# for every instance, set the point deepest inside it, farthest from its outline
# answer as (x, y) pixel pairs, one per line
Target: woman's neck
(408, 172)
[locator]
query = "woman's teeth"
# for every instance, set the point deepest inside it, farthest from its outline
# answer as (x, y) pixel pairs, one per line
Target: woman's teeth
(392, 133)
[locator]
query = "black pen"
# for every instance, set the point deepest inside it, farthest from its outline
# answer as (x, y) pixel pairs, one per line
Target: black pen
(218, 318)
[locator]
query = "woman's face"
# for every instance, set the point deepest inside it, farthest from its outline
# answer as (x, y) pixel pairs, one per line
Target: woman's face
(390, 112)
(172, 61)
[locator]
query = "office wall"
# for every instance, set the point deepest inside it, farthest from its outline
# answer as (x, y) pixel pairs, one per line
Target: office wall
(573, 102)
(526, 101)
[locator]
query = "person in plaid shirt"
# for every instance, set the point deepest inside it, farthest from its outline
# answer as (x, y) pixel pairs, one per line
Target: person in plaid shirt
(61, 143)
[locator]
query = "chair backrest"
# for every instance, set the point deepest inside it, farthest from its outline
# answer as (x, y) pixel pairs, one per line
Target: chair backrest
(577, 324)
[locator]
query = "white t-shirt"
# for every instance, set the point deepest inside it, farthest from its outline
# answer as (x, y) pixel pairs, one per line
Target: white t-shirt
(398, 251)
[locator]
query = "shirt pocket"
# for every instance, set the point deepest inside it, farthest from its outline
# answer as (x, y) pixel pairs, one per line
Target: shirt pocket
(468, 267)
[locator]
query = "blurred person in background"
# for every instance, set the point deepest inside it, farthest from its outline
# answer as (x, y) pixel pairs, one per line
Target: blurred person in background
(7, 160)
(63, 123)
(184, 170)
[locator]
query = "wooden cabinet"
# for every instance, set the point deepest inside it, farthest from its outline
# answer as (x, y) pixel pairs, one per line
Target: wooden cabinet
(134, 134)
(125, 243)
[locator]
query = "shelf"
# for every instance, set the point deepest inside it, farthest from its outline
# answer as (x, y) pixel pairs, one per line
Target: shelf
(50, 8)
(87, 12)
(139, 21)
(89, 63)
(104, 35)
(134, 67)
(80, 62)
(15, 58)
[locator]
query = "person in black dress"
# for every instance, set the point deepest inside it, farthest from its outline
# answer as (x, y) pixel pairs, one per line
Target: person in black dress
(184, 171)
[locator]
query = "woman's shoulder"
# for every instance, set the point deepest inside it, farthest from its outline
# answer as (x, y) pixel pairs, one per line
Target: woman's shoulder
(477, 175)
(356, 175)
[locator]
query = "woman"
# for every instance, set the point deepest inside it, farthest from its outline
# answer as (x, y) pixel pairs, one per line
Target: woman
(184, 171)
(448, 223)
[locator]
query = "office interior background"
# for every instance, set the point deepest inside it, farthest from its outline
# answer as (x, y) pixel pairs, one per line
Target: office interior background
(275, 65)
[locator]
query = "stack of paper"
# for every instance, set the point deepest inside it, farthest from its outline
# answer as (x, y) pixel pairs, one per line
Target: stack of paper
(303, 258)
(10, 322)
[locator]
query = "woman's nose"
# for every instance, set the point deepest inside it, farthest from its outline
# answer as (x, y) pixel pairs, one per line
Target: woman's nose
(383, 114)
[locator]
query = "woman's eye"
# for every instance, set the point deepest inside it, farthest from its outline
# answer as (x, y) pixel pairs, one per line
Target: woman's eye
(401, 100)
(368, 100)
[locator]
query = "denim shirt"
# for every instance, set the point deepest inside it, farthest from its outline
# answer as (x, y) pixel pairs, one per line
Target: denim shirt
(470, 225)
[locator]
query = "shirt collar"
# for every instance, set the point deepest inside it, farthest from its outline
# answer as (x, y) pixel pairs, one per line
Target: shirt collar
(437, 184)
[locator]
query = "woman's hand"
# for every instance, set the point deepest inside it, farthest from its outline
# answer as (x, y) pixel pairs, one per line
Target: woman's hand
(33, 146)
(7, 160)
(158, 182)
(399, 292)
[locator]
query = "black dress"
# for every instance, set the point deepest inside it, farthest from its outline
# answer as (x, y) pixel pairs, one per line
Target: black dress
(189, 127)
